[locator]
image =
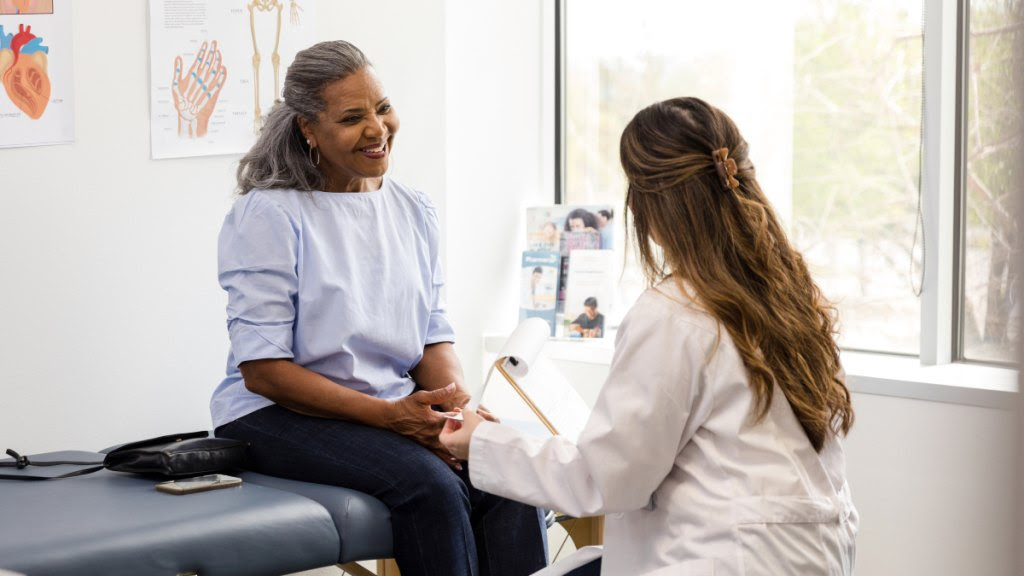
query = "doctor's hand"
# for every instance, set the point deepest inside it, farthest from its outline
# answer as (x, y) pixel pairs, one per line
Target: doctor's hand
(486, 414)
(456, 434)
(414, 417)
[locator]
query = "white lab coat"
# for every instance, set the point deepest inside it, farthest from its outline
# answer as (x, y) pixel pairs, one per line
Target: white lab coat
(688, 482)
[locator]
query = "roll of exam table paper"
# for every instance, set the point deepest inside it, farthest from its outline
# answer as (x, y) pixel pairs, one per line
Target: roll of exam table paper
(519, 352)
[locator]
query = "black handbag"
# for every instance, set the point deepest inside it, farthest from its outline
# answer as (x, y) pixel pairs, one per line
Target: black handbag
(172, 456)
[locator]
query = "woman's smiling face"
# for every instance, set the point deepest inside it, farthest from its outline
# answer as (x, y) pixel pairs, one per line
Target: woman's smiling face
(354, 133)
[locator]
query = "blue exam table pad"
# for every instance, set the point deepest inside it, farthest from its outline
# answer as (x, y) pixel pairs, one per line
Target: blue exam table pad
(116, 523)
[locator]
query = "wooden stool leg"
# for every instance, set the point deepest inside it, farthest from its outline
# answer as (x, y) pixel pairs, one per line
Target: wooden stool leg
(387, 567)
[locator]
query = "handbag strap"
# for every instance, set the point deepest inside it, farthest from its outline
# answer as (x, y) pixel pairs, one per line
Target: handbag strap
(21, 462)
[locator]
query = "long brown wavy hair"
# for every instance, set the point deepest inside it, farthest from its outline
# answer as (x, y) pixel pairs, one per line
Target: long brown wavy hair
(721, 242)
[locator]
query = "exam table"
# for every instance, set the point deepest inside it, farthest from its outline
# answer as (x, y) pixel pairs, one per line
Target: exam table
(114, 523)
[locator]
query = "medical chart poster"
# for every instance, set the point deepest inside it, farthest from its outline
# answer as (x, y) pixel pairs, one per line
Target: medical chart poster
(37, 104)
(213, 77)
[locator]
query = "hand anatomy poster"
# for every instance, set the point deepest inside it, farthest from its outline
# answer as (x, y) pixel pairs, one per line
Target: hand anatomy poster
(216, 67)
(37, 100)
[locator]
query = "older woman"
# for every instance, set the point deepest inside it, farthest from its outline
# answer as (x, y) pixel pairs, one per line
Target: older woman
(340, 347)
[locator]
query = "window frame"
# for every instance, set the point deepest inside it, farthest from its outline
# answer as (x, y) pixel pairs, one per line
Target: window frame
(559, 109)
(940, 183)
(959, 250)
(942, 206)
(959, 161)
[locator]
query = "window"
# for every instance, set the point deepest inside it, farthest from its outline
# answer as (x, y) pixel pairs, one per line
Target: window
(990, 147)
(830, 96)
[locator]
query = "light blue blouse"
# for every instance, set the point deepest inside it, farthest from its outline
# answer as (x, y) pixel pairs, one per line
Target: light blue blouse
(348, 285)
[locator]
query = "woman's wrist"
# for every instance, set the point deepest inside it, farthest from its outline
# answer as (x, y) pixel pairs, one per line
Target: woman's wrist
(385, 412)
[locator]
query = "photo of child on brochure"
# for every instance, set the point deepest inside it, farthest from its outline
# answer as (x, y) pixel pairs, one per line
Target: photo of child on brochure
(590, 322)
(590, 292)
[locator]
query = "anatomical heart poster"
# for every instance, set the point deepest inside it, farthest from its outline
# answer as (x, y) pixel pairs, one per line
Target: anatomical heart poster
(37, 100)
(216, 69)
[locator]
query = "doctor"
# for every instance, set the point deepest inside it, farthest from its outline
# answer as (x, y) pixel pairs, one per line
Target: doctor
(715, 444)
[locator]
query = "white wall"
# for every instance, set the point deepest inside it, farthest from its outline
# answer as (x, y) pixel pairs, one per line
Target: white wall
(935, 486)
(495, 161)
(112, 319)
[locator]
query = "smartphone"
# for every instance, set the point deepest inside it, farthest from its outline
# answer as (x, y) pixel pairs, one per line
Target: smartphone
(198, 484)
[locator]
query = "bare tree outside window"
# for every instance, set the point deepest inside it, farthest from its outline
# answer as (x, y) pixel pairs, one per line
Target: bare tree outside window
(856, 164)
(828, 94)
(992, 173)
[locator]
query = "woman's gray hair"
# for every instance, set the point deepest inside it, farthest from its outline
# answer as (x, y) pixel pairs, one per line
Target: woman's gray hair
(280, 158)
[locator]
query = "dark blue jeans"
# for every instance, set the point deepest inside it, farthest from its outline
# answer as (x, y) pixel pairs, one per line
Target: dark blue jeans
(442, 525)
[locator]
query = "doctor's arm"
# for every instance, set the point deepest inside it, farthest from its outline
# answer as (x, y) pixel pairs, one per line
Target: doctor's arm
(625, 451)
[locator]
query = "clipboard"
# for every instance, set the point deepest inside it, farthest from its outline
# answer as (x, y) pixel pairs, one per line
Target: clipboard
(514, 360)
(517, 355)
